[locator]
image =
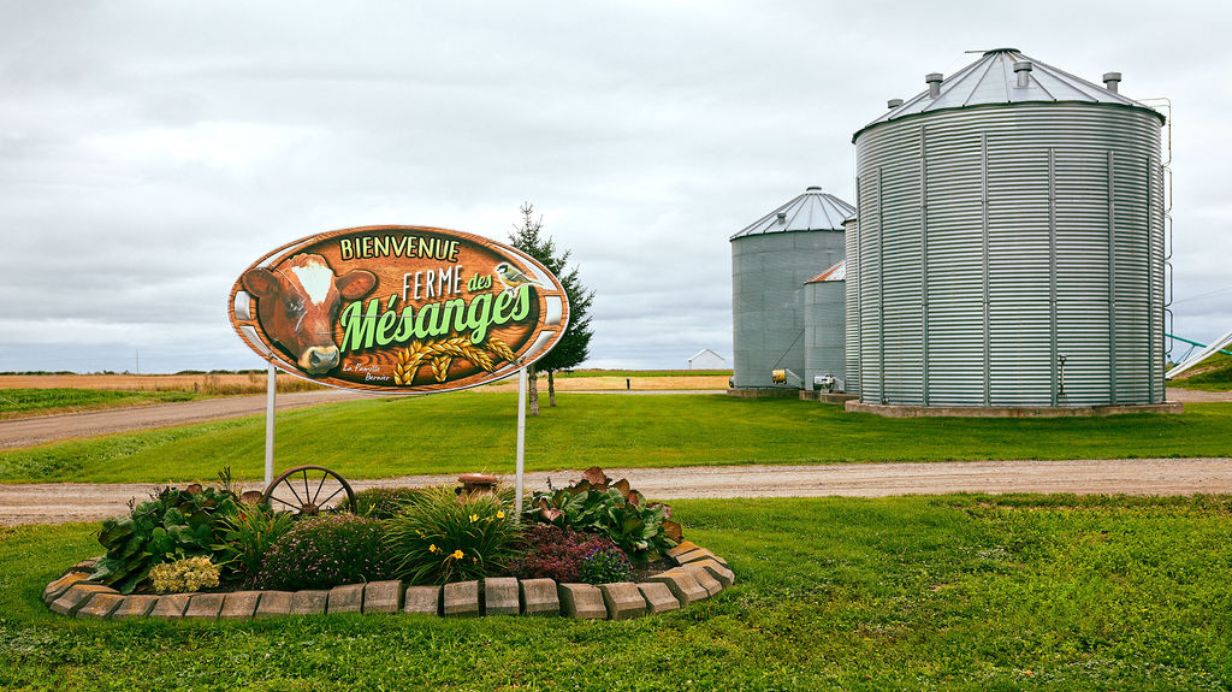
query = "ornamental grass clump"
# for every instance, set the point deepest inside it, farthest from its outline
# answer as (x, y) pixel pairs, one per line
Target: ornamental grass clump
(383, 503)
(446, 537)
(327, 551)
(185, 576)
(247, 537)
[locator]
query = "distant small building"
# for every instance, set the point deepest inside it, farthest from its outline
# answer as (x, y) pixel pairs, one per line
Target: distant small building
(706, 359)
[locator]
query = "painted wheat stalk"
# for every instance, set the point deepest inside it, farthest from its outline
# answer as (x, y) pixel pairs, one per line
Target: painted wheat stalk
(440, 354)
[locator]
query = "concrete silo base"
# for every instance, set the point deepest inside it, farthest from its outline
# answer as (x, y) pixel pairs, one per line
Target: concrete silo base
(900, 411)
(827, 397)
(764, 392)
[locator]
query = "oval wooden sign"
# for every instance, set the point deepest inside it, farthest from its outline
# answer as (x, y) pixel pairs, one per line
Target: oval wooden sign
(399, 309)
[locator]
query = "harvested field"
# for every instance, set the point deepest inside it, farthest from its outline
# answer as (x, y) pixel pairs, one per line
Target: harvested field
(594, 384)
(221, 384)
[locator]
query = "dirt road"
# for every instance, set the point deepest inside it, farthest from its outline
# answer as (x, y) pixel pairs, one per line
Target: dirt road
(31, 431)
(54, 503)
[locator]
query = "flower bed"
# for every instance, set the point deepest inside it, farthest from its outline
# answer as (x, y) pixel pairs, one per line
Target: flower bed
(595, 549)
(698, 574)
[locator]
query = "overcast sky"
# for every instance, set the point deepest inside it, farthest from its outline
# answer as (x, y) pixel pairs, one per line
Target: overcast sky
(149, 151)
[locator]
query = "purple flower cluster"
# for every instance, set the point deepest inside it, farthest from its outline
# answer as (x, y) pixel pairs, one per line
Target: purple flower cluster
(327, 551)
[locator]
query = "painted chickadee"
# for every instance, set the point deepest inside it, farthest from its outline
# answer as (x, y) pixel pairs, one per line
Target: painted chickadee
(513, 277)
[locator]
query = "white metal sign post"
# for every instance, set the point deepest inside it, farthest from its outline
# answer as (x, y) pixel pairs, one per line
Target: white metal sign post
(517, 485)
(271, 388)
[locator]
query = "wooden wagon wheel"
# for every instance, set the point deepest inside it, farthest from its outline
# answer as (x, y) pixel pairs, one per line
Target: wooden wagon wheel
(308, 490)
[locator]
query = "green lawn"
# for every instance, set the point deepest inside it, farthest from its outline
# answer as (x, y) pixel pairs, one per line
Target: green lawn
(468, 431)
(1213, 374)
(22, 402)
(643, 373)
(952, 592)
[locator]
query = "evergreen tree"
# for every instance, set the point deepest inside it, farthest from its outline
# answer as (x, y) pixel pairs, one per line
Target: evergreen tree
(574, 347)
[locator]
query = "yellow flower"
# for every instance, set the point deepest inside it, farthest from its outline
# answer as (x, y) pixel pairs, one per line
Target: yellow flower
(457, 555)
(474, 518)
(432, 548)
(500, 514)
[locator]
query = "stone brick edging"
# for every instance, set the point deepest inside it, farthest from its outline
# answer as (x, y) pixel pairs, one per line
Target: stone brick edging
(698, 574)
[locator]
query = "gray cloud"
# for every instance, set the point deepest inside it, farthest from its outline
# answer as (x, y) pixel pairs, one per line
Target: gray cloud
(150, 151)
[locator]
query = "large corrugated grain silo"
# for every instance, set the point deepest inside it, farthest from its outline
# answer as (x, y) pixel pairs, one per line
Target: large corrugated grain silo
(771, 260)
(1010, 243)
(851, 308)
(824, 327)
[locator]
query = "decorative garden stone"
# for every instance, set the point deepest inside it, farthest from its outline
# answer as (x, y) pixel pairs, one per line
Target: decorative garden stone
(170, 606)
(682, 584)
(239, 605)
(703, 577)
(76, 596)
(346, 599)
(462, 598)
(500, 596)
(309, 602)
(717, 570)
(383, 597)
(134, 607)
(274, 603)
(423, 599)
(659, 598)
(539, 597)
(206, 606)
(100, 605)
(581, 601)
(623, 600)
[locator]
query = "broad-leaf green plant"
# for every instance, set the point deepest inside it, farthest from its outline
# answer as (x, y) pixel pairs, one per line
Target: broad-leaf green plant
(175, 524)
(642, 529)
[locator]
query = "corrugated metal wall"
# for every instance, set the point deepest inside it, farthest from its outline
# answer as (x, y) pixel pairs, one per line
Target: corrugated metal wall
(993, 241)
(824, 331)
(768, 275)
(852, 307)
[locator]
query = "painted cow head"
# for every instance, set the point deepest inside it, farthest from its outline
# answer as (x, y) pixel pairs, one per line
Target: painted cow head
(297, 304)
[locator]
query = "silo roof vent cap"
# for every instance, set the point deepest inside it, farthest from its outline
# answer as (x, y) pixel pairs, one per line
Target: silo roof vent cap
(992, 80)
(811, 210)
(894, 103)
(1022, 69)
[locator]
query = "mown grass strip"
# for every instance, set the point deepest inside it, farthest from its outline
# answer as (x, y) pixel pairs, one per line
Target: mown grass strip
(956, 592)
(375, 438)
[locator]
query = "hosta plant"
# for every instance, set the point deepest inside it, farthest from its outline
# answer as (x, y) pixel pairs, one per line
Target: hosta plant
(174, 525)
(613, 509)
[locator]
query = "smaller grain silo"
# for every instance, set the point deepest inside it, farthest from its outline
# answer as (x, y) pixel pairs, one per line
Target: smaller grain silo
(772, 258)
(825, 328)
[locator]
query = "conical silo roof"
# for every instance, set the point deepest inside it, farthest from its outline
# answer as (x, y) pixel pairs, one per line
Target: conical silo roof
(812, 211)
(992, 80)
(838, 272)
